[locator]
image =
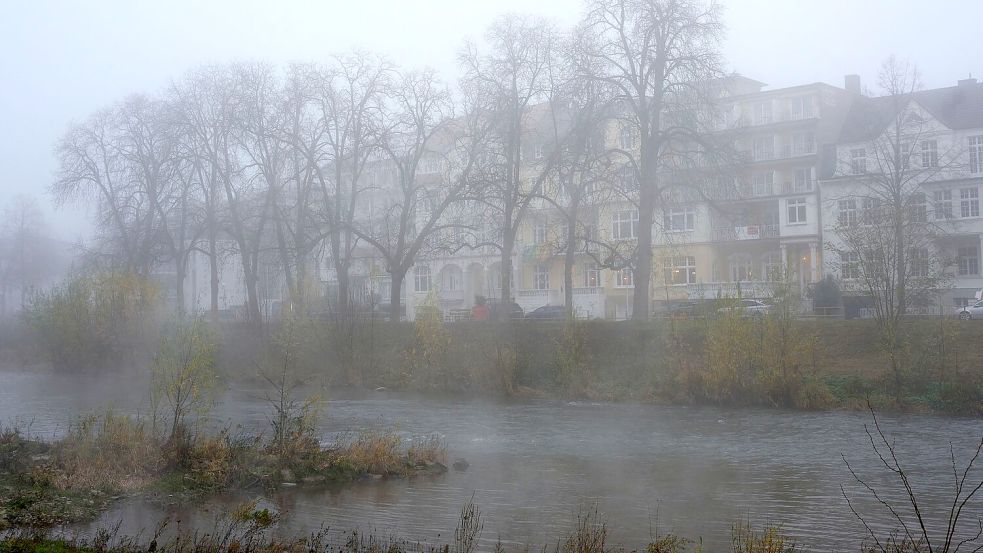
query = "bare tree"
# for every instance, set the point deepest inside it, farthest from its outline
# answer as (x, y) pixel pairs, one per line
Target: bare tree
(93, 167)
(350, 108)
(434, 155)
(506, 82)
(657, 55)
(886, 236)
(24, 254)
(202, 107)
(914, 532)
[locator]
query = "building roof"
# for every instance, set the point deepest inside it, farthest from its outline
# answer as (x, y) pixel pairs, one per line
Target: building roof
(956, 107)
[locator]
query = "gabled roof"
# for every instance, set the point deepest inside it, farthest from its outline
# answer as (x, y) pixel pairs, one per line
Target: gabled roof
(956, 107)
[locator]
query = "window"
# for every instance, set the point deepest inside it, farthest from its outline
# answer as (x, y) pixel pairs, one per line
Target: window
(541, 278)
(592, 276)
(969, 260)
(764, 148)
(803, 143)
(681, 270)
(919, 262)
(917, 208)
(628, 179)
(850, 266)
(796, 211)
(969, 202)
(800, 107)
(421, 278)
(976, 154)
(680, 220)
(858, 161)
(626, 140)
(539, 232)
(846, 213)
(869, 211)
(762, 113)
(625, 225)
(943, 204)
(741, 268)
(763, 184)
(452, 280)
(624, 278)
(772, 267)
(802, 179)
(537, 151)
(930, 154)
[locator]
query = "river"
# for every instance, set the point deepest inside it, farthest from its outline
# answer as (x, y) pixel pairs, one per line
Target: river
(536, 464)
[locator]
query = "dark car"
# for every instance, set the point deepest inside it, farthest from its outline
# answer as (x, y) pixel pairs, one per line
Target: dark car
(685, 310)
(548, 313)
(497, 310)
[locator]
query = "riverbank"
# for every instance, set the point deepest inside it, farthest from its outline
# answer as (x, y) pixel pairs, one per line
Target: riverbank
(721, 361)
(726, 361)
(103, 459)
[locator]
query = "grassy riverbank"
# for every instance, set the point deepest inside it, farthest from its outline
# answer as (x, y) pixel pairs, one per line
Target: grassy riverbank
(723, 361)
(249, 530)
(101, 459)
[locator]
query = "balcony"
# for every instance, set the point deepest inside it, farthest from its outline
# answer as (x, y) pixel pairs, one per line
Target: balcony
(744, 289)
(786, 151)
(747, 232)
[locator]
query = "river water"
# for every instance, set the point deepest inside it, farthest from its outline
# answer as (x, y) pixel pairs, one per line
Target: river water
(536, 464)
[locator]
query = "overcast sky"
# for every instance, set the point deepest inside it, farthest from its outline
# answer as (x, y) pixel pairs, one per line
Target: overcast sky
(62, 60)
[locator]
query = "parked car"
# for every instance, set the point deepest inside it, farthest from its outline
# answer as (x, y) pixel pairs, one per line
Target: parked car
(548, 313)
(685, 310)
(969, 312)
(748, 308)
(497, 309)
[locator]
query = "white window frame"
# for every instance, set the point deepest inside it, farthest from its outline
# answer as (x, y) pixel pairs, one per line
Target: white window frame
(541, 277)
(680, 219)
(763, 148)
(763, 113)
(803, 184)
(976, 154)
(858, 161)
(968, 260)
(800, 107)
(918, 207)
(942, 205)
(969, 202)
(796, 210)
(850, 268)
(592, 275)
(930, 153)
(624, 224)
(540, 232)
(421, 278)
(682, 266)
(763, 183)
(920, 262)
(624, 278)
(847, 214)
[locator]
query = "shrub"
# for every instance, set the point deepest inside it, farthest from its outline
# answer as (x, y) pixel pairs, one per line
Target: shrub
(92, 321)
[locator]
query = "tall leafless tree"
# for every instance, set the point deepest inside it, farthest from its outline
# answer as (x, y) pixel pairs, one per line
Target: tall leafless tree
(656, 54)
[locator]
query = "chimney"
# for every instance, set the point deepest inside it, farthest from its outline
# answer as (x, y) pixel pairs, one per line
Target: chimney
(967, 82)
(852, 83)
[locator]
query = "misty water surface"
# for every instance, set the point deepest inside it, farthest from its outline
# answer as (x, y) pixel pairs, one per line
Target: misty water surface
(534, 465)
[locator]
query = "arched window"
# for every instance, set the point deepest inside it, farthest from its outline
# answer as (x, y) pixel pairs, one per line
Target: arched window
(421, 278)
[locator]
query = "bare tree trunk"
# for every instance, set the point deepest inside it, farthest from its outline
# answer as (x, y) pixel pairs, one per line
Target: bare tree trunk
(396, 293)
(568, 261)
(508, 243)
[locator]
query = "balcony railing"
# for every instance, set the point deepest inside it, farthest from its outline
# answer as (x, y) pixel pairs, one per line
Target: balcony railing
(786, 151)
(593, 290)
(749, 232)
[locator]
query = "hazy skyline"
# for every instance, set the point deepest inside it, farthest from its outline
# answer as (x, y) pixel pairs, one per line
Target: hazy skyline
(64, 60)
